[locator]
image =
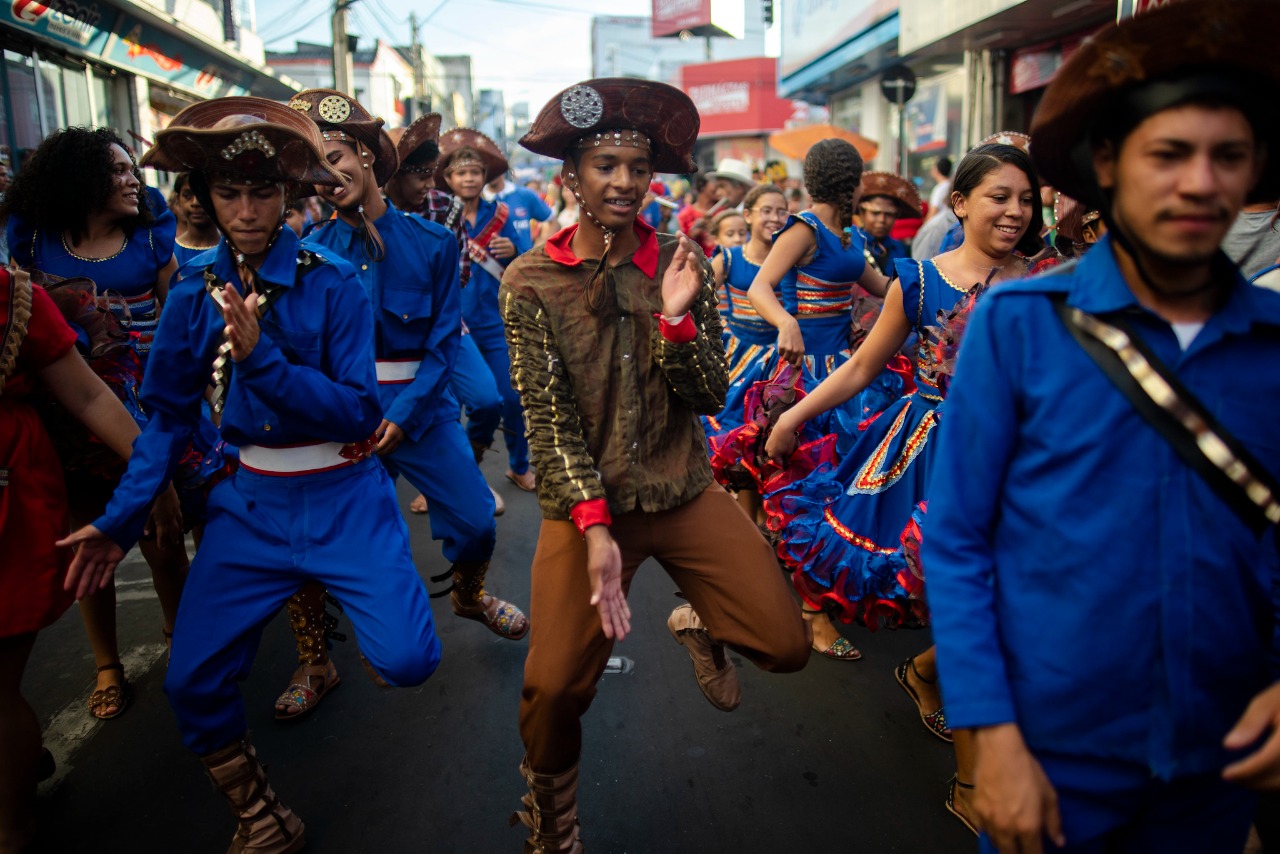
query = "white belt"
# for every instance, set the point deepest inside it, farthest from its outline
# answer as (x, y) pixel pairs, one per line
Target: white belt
(296, 460)
(397, 370)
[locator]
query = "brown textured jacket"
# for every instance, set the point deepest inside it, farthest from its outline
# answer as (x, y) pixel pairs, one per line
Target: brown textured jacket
(611, 405)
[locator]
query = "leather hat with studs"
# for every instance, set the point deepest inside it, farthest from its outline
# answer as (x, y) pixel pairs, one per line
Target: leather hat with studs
(334, 111)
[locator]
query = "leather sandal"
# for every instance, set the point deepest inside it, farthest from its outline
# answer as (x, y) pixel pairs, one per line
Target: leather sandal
(112, 695)
(951, 801)
(840, 650)
(935, 722)
(527, 481)
(311, 682)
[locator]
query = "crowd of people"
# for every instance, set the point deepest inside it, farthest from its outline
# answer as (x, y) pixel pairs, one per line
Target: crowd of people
(729, 373)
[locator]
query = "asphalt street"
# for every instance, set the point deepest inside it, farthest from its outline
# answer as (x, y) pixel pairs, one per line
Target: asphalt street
(831, 758)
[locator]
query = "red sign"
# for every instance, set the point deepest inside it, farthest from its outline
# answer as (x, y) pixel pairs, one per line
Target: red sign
(737, 97)
(674, 16)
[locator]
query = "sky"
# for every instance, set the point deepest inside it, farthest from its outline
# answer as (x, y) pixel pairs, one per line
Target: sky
(531, 50)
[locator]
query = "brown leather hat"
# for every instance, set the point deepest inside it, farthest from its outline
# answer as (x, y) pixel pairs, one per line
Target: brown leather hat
(1009, 137)
(409, 139)
(251, 138)
(895, 187)
(1220, 48)
(662, 113)
(333, 110)
(495, 162)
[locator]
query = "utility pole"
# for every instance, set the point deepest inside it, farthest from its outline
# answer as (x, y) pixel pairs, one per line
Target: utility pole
(419, 68)
(343, 66)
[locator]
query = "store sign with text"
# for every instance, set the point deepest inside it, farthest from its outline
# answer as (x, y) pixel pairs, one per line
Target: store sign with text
(84, 26)
(737, 96)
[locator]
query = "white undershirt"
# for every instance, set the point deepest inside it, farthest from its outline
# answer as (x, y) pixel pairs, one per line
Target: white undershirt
(1187, 333)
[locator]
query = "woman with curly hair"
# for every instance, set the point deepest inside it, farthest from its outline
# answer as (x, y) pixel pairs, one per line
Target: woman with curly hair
(78, 209)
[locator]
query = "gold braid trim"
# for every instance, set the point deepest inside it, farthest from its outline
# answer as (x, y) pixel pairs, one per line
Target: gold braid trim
(19, 317)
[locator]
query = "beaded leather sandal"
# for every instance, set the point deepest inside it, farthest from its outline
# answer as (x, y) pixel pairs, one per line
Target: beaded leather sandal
(840, 650)
(311, 682)
(935, 722)
(112, 695)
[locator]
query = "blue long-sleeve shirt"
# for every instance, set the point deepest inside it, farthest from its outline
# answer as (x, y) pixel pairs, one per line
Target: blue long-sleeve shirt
(1085, 582)
(480, 299)
(417, 311)
(309, 378)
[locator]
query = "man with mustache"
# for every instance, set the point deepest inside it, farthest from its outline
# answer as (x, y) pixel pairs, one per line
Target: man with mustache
(1100, 541)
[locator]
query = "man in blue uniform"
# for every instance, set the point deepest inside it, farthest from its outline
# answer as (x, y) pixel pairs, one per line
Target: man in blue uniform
(525, 206)
(409, 268)
(469, 159)
(883, 199)
(1100, 553)
(289, 338)
(411, 189)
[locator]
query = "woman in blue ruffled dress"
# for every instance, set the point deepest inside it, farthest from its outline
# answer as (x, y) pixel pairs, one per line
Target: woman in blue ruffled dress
(848, 533)
(78, 209)
(818, 260)
(750, 342)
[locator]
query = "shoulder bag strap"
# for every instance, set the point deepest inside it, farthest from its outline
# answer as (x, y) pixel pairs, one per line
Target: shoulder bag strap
(1166, 404)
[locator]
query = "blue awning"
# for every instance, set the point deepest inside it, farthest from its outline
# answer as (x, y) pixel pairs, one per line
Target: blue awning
(857, 59)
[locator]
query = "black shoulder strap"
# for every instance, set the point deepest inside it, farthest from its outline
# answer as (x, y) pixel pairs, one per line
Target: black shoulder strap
(1167, 405)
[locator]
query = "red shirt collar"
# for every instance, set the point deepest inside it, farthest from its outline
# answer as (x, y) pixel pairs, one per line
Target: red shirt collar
(560, 248)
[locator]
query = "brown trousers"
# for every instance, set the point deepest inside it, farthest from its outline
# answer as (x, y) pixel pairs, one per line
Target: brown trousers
(720, 562)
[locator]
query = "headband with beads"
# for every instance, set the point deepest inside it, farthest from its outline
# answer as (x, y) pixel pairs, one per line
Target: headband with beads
(463, 160)
(617, 137)
(339, 136)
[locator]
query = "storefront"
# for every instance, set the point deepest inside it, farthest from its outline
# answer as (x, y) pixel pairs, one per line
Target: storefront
(738, 103)
(123, 66)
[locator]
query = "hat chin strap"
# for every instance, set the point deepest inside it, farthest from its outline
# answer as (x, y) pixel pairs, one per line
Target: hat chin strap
(596, 291)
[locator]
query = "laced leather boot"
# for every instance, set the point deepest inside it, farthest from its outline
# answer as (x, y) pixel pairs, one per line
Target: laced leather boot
(266, 825)
(472, 602)
(551, 812)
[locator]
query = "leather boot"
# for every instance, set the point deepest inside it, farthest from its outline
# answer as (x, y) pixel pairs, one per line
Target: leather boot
(551, 812)
(717, 677)
(316, 675)
(472, 602)
(266, 825)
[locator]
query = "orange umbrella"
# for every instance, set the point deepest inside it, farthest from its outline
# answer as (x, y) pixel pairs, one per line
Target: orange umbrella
(795, 143)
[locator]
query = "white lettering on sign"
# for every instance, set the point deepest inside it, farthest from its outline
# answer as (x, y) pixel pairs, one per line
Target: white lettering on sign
(672, 8)
(716, 99)
(64, 18)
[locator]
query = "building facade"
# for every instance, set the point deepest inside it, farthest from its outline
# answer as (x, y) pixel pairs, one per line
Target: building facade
(126, 65)
(624, 46)
(980, 66)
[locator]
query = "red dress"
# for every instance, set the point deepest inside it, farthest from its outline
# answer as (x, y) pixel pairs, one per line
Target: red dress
(33, 501)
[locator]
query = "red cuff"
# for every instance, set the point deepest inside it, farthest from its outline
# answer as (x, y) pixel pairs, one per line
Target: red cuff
(588, 513)
(682, 333)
